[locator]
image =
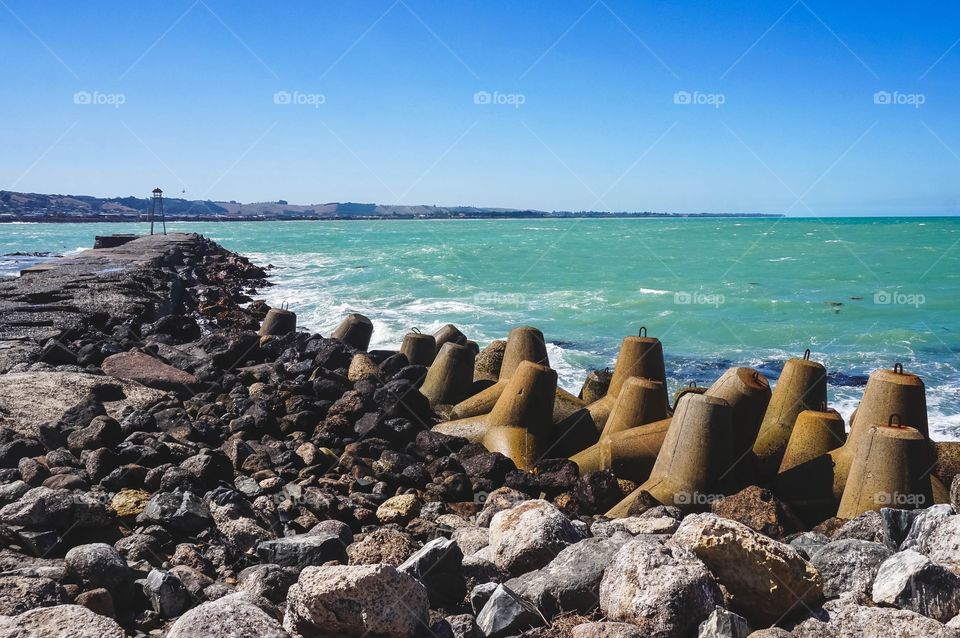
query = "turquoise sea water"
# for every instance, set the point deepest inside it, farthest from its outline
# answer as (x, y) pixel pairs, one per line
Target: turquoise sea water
(859, 293)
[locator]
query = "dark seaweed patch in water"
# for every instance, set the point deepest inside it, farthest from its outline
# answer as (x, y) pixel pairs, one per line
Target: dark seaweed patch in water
(847, 380)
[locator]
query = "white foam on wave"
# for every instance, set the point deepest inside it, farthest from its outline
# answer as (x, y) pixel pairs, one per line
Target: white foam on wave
(654, 291)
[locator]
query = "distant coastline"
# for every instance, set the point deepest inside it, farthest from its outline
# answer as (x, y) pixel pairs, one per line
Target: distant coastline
(41, 208)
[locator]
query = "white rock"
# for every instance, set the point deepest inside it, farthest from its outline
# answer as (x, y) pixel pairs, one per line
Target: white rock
(61, 621)
(356, 600)
(227, 617)
(910, 580)
(529, 535)
(667, 592)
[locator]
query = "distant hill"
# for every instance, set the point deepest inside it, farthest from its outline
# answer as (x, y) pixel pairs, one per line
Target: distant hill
(66, 208)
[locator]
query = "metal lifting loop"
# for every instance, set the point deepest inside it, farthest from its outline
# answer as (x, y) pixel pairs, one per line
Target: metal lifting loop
(643, 331)
(806, 354)
(416, 330)
(898, 368)
(692, 384)
(823, 406)
(899, 421)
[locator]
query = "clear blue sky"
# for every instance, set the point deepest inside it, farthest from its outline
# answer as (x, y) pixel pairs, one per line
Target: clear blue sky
(583, 111)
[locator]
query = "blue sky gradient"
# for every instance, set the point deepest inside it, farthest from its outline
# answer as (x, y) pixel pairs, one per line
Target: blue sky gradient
(377, 101)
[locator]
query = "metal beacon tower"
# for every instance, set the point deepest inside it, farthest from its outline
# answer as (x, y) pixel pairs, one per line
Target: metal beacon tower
(157, 206)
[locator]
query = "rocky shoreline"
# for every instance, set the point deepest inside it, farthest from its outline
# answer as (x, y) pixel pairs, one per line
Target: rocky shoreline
(177, 460)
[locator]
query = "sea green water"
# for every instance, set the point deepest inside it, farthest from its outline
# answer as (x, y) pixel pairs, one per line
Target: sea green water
(859, 293)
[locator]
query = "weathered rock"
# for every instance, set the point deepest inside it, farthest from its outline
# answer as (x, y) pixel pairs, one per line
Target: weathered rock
(607, 630)
(936, 534)
(766, 579)
(496, 501)
(438, 565)
(896, 525)
(529, 535)
(866, 527)
(227, 617)
(471, 539)
(506, 614)
(98, 601)
(99, 565)
(339, 528)
(236, 521)
(180, 512)
(23, 593)
(384, 545)
(45, 508)
(910, 580)
(666, 591)
(130, 503)
(635, 525)
(463, 626)
(103, 431)
(353, 601)
(758, 509)
(843, 618)
(165, 593)
(147, 370)
(30, 399)
(267, 581)
(724, 624)
(571, 581)
(399, 509)
(303, 550)
(11, 492)
(60, 621)
(808, 543)
(849, 566)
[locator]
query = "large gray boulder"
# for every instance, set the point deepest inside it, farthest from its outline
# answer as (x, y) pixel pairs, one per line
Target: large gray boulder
(356, 600)
(529, 535)
(940, 542)
(666, 591)
(23, 593)
(849, 566)
(228, 617)
(180, 512)
(844, 618)
(910, 580)
(302, 550)
(61, 621)
(571, 582)
(923, 524)
(438, 565)
(723, 624)
(99, 565)
(166, 594)
(47, 508)
(507, 614)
